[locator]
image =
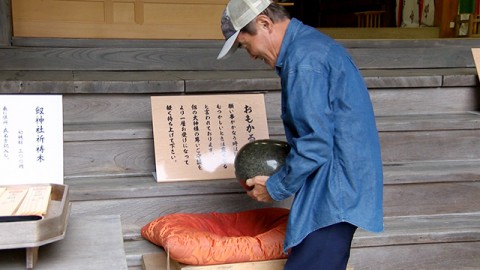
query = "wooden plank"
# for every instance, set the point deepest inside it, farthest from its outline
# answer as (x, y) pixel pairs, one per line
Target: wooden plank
(159, 261)
(127, 82)
(198, 19)
(36, 82)
(137, 212)
(166, 82)
(431, 172)
(382, 33)
(427, 256)
(271, 265)
(115, 43)
(229, 81)
(431, 198)
(428, 122)
(400, 200)
(402, 78)
(91, 243)
(135, 250)
(215, 44)
(433, 233)
(205, 58)
(417, 198)
(430, 145)
(154, 261)
(144, 186)
(111, 108)
(405, 101)
(452, 80)
(126, 148)
(123, 59)
(409, 101)
(133, 157)
(435, 57)
(422, 229)
(412, 101)
(127, 157)
(107, 131)
(5, 23)
(409, 43)
(106, 188)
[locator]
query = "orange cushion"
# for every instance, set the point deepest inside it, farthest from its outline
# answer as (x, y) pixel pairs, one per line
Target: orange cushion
(218, 238)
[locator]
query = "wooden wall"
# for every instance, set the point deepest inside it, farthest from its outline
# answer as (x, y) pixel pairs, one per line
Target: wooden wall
(135, 19)
(5, 22)
(158, 19)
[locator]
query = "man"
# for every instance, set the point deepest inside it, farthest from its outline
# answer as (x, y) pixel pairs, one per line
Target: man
(334, 168)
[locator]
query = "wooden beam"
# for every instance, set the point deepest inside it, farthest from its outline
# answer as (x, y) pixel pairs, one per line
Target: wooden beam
(6, 29)
(446, 11)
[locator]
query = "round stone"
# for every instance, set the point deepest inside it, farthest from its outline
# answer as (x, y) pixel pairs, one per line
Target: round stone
(260, 157)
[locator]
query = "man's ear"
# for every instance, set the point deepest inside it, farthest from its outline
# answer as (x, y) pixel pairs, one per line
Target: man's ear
(264, 22)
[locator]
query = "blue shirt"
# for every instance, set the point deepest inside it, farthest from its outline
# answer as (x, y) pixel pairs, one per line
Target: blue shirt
(334, 168)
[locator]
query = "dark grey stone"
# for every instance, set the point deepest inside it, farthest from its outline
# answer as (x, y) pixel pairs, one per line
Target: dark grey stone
(260, 157)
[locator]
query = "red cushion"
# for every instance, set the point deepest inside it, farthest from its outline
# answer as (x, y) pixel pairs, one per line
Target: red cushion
(218, 238)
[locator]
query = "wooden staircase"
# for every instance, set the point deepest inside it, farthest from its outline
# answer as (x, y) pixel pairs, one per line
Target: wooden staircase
(426, 97)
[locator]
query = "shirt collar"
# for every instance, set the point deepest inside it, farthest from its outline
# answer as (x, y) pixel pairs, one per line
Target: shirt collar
(287, 39)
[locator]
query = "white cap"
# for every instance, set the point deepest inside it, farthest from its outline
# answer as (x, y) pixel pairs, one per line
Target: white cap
(237, 15)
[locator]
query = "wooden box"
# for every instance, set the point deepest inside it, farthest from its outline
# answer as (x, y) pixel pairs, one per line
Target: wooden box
(36, 233)
(159, 261)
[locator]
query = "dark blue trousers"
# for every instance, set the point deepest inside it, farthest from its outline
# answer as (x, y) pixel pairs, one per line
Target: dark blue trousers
(324, 249)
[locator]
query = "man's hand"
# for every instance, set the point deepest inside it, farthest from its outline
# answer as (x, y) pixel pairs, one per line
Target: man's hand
(259, 191)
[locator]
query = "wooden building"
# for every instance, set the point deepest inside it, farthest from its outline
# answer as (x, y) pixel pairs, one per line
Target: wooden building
(108, 57)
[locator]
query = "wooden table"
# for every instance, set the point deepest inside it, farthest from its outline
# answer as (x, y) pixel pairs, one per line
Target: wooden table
(91, 243)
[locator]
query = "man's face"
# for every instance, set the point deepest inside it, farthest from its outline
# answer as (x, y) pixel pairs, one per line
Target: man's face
(259, 45)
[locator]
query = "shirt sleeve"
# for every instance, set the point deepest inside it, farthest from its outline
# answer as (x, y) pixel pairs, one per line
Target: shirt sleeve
(308, 120)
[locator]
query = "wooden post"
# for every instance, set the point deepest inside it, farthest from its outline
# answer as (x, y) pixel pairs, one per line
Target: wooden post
(447, 13)
(6, 23)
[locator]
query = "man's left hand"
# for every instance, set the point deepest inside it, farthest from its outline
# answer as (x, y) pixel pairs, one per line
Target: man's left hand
(259, 191)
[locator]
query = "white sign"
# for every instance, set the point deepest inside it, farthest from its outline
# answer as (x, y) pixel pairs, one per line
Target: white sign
(197, 137)
(31, 144)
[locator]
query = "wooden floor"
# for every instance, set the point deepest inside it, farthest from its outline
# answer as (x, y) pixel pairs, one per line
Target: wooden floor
(425, 95)
(382, 33)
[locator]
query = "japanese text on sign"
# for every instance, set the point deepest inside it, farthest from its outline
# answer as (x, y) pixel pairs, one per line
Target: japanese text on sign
(32, 139)
(197, 137)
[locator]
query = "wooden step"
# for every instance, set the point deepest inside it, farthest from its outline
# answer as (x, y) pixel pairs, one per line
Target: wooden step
(421, 242)
(127, 148)
(448, 241)
(137, 82)
(138, 211)
(145, 186)
(410, 189)
(108, 96)
(434, 53)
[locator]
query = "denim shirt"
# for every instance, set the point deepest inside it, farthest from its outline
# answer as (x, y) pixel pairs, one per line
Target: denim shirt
(334, 168)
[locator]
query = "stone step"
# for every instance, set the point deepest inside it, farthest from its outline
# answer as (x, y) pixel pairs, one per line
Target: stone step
(447, 241)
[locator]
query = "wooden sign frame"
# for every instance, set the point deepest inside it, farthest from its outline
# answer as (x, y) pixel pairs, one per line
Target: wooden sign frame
(476, 58)
(197, 137)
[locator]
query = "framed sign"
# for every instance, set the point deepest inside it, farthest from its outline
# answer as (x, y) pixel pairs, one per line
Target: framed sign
(197, 137)
(31, 147)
